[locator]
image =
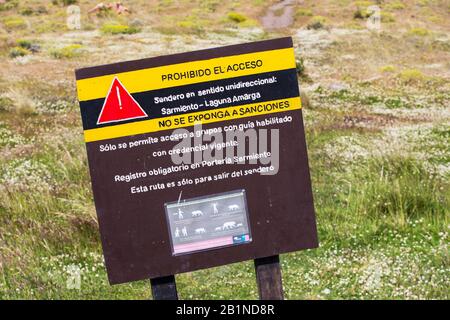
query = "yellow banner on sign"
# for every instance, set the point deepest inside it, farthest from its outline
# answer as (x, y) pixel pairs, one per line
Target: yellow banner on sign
(189, 72)
(190, 119)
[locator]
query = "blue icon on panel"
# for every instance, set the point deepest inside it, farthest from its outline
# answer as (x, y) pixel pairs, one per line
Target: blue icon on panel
(241, 238)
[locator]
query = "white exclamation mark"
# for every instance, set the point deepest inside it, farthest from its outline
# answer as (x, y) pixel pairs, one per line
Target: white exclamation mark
(118, 98)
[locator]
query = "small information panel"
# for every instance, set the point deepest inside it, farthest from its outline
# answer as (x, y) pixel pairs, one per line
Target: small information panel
(208, 222)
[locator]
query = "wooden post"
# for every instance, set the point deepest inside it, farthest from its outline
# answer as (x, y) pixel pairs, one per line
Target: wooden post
(268, 277)
(164, 288)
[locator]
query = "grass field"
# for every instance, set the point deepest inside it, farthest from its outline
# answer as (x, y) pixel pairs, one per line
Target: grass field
(377, 116)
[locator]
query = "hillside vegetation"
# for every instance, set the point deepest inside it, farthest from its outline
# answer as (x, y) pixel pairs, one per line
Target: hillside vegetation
(377, 118)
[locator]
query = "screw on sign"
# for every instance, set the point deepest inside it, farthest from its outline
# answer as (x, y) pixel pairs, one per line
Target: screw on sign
(147, 229)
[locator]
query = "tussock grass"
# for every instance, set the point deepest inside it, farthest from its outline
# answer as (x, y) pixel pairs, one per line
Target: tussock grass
(395, 190)
(22, 103)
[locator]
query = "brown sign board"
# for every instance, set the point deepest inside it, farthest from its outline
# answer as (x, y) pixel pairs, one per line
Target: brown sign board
(160, 218)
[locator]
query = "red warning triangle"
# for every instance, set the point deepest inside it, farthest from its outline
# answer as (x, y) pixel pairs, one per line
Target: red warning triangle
(119, 105)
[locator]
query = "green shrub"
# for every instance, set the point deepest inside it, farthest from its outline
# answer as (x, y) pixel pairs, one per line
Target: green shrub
(388, 69)
(191, 24)
(50, 25)
(363, 13)
(421, 32)
(303, 12)
(354, 25)
(5, 102)
(423, 3)
(71, 51)
(236, 17)
(26, 11)
(13, 23)
(361, 9)
(9, 4)
(387, 17)
(18, 52)
(300, 66)
(249, 23)
(360, 14)
(64, 2)
(396, 5)
(363, 4)
(26, 44)
(118, 29)
(40, 10)
(395, 103)
(411, 75)
(210, 5)
(317, 22)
